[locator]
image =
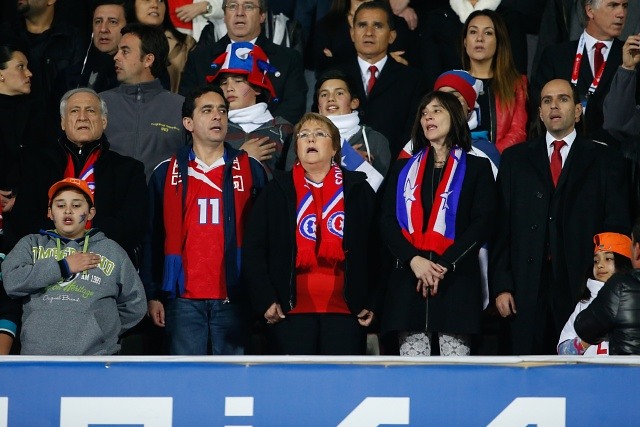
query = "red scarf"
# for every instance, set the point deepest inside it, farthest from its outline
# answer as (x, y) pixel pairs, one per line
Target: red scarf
(319, 241)
(87, 174)
(173, 215)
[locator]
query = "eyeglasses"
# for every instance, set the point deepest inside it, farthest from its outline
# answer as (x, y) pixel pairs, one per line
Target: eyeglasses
(316, 134)
(246, 7)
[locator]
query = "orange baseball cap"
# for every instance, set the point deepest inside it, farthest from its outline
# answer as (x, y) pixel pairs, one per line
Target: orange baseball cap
(77, 183)
(612, 242)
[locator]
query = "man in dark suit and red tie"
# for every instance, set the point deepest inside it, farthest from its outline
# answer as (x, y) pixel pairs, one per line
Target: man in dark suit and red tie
(389, 92)
(555, 193)
(589, 63)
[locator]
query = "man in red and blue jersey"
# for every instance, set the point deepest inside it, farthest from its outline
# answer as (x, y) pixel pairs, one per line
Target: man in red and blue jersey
(200, 199)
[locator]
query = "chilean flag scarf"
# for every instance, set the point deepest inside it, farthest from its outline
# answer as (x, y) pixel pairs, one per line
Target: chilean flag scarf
(319, 239)
(441, 228)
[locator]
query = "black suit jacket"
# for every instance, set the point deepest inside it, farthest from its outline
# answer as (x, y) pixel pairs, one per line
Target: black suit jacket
(121, 200)
(557, 63)
(536, 221)
(391, 106)
(289, 84)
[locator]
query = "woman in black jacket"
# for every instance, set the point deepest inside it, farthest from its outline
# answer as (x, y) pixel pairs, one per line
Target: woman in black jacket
(306, 253)
(19, 132)
(437, 212)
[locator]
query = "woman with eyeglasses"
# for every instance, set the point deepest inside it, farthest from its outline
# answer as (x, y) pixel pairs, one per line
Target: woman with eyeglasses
(437, 212)
(306, 254)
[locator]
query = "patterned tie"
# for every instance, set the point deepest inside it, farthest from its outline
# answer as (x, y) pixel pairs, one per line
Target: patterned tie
(556, 161)
(372, 78)
(598, 58)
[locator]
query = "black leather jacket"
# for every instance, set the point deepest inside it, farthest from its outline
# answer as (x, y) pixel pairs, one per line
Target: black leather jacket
(615, 312)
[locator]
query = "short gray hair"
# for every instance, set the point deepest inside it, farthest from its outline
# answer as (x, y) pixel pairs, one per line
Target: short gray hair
(65, 100)
(582, 11)
(593, 3)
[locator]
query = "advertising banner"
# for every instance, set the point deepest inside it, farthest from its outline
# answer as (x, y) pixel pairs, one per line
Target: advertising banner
(209, 391)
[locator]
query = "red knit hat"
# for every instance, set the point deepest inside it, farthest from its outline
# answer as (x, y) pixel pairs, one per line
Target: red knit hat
(612, 242)
(461, 81)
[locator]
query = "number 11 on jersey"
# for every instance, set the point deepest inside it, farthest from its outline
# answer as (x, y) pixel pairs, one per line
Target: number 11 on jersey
(209, 211)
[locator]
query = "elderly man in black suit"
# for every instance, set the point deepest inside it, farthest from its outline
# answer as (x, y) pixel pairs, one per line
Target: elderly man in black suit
(243, 19)
(595, 57)
(83, 152)
(389, 92)
(562, 20)
(555, 193)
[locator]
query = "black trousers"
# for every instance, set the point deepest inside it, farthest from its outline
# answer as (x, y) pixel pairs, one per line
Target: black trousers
(553, 309)
(319, 334)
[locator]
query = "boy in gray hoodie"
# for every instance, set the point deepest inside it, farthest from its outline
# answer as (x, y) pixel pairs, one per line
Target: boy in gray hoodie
(79, 289)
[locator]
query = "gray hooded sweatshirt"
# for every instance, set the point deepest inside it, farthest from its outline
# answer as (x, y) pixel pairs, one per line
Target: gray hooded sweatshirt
(80, 315)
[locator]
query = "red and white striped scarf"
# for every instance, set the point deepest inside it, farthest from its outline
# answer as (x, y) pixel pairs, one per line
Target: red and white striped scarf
(319, 241)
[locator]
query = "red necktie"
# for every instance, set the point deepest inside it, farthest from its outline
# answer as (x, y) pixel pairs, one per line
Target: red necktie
(372, 78)
(598, 58)
(556, 161)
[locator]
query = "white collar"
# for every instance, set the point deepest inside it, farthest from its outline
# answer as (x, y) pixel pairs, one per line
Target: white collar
(205, 167)
(568, 139)
(590, 42)
(364, 66)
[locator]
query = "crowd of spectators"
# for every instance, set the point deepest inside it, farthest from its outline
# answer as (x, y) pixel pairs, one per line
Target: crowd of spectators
(346, 170)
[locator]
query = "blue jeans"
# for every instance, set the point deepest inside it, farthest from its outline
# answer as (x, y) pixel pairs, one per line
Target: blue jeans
(193, 324)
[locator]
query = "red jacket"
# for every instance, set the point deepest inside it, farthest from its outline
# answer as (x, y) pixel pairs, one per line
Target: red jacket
(512, 122)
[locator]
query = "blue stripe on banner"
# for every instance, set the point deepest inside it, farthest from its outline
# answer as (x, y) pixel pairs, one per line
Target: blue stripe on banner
(115, 425)
(238, 390)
